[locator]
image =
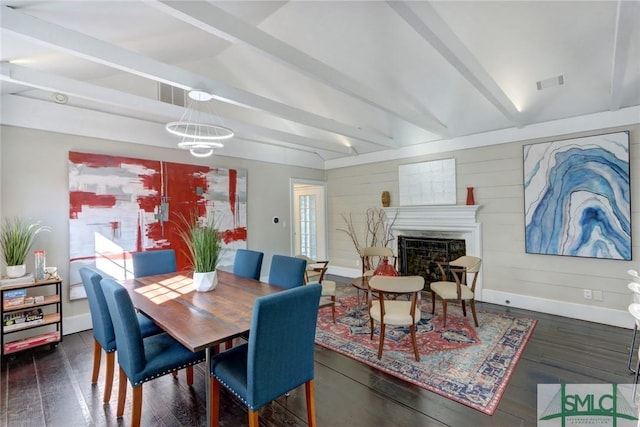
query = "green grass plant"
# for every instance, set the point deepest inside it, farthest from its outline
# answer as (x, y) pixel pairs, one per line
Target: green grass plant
(17, 236)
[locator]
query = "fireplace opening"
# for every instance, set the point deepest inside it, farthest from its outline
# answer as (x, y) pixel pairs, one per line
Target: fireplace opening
(418, 256)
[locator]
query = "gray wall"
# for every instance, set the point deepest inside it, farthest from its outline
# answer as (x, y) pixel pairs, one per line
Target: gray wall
(34, 183)
(552, 284)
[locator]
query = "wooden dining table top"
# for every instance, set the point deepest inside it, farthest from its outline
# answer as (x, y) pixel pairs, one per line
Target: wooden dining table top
(198, 320)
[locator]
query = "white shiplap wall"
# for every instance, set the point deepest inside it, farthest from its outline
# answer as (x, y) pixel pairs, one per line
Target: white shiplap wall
(552, 284)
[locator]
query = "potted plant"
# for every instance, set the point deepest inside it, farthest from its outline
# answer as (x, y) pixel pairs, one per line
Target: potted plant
(17, 236)
(204, 246)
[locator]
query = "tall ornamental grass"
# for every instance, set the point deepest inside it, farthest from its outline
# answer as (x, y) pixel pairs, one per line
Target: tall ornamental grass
(17, 236)
(203, 241)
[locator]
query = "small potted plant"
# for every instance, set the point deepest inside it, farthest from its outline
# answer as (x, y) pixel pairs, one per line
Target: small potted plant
(204, 246)
(17, 236)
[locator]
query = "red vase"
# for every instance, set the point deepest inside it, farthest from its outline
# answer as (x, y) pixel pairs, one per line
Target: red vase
(385, 269)
(470, 199)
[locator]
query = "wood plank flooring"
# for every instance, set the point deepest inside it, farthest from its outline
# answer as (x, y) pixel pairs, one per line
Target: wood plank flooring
(51, 387)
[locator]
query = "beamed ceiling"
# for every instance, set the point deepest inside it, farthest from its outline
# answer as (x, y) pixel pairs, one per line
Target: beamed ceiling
(322, 83)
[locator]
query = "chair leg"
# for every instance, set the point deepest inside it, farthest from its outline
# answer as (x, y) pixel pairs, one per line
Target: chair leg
(108, 381)
(309, 389)
(371, 327)
(97, 356)
(381, 340)
(214, 395)
(633, 346)
(333, 308)
(190, 375)
(464, 308)
(444, 313)
(635, 379)
(136, 414)
(415, 343)
(433, 302)
(472, 303)
(253, 418)
(122, 392)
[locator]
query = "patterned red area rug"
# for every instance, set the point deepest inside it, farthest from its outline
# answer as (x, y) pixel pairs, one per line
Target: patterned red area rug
(469, 365)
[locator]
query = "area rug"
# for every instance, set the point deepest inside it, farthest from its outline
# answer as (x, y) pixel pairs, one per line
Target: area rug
(469, 365)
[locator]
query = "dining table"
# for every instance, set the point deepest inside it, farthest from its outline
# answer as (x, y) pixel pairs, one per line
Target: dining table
(199, 320)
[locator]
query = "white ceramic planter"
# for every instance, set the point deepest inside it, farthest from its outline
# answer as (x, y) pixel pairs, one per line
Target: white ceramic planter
(16, 270)
(203, 282)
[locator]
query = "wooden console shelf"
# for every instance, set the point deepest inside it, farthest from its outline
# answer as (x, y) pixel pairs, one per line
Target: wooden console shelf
(51, 305)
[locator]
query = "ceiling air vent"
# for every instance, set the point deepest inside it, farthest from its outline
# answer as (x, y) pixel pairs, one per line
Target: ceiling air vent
(550, 82)
(172, 95)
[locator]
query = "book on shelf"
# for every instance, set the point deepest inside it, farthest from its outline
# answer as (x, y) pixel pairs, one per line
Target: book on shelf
(26, 279)
(20, 319)
(14, 297)
(32, 341)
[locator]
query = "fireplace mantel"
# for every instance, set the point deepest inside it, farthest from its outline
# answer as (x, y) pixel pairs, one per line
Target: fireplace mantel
(437, 217)
(440, 221)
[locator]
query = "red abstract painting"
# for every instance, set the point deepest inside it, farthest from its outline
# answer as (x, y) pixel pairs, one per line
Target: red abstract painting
(119, 205)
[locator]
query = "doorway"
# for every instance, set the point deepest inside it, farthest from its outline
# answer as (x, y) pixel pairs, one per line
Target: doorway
(308, 211)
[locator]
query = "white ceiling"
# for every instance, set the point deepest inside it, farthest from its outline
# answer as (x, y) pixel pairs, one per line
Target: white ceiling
(316, 82)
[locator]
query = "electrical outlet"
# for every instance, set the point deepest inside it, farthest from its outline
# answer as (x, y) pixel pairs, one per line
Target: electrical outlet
(588, 294)
(597, 295)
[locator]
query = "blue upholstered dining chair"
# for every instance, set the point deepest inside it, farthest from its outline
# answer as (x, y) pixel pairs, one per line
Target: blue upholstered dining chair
(248, 263)
(278, 356)
(150, 263)
(286, 271)
(141, 360)
(104, 337)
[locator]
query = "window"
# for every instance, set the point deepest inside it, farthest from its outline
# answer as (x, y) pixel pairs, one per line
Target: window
(308, 244)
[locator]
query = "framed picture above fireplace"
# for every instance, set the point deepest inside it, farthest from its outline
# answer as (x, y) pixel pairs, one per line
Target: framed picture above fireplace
(577, 197)
(428, 183)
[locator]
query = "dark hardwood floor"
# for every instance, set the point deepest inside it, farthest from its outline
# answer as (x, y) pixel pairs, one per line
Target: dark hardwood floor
(51, 387)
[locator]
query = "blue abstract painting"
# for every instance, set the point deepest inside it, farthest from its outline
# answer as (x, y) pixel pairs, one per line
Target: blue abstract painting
(577, 197)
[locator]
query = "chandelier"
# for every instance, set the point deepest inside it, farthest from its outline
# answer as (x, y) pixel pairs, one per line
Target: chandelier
(199, 135)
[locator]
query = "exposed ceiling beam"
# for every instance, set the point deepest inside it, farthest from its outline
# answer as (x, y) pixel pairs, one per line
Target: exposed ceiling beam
(45, 81)
(95, 50)
(214, 20)
(424, 19)
(626, 18)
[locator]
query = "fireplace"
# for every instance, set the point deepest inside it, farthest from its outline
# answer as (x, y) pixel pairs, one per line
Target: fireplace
(419, 255)
(449, 222)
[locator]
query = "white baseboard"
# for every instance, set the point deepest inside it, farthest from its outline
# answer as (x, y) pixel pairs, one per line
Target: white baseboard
(606, 316)
(73, 324)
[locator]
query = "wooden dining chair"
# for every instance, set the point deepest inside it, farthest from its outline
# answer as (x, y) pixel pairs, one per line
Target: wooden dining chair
(286, 271)
(389, 309)
(328, 288)
(248, 263)
(371, 257)
(103, 334)
(278, 357)
(150, 263)
(313, 269)
(141, 360)
(458, 290)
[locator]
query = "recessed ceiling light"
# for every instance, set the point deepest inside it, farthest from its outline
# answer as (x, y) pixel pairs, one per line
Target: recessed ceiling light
(60, 98)
(550, 82)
